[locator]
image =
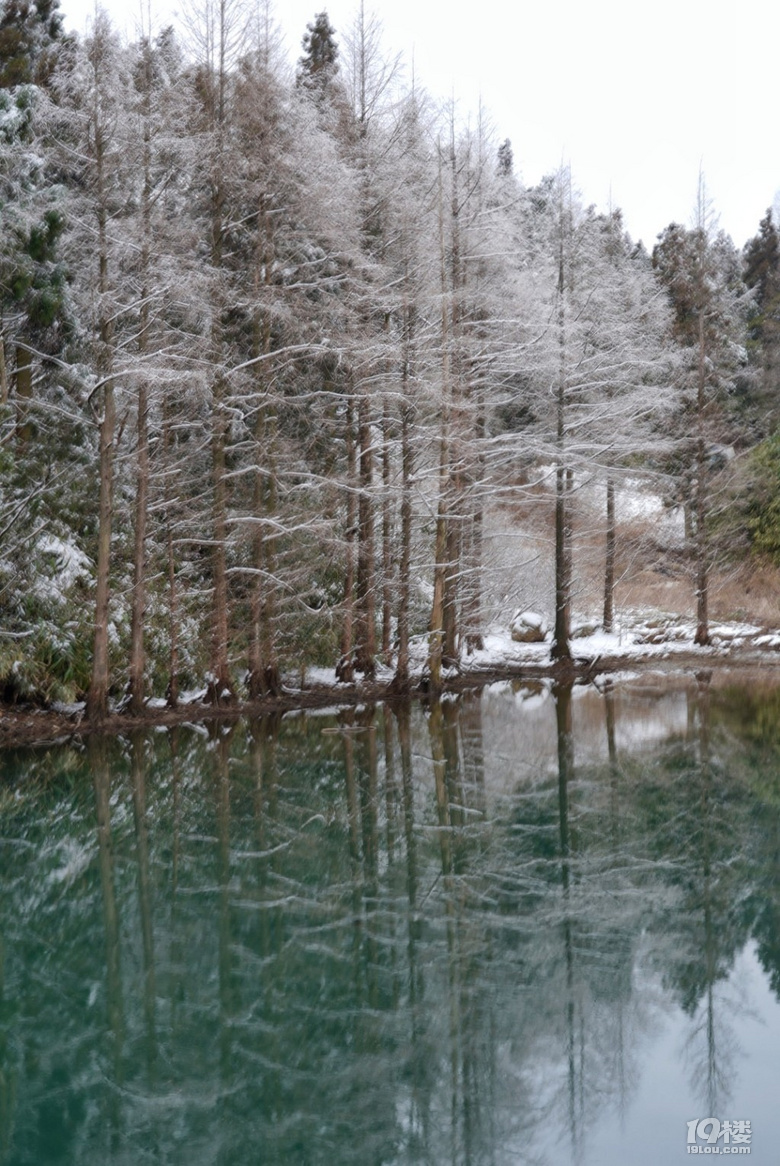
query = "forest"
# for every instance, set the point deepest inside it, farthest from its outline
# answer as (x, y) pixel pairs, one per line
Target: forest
(288, 354)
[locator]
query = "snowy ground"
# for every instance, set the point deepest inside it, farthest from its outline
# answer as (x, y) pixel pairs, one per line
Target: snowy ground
(640, 639)
(658, 643)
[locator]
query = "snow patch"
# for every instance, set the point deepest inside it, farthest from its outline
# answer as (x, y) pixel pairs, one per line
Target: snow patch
(70, 565)
(76, 859)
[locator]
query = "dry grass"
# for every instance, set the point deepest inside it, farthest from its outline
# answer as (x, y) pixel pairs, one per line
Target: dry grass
(654, 577)
(748, 590)
(751, 590)
(651, 573)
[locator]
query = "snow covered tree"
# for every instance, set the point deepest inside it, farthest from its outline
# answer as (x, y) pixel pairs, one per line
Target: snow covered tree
(151, 270)
(370, 75)
(221, 35)
(700, 271)
(365, 142)
(33, 283)
(324, 334)
(564, 474)
(318, 66)
(761, 273)
(267, 174)
(474, 305)
(408, 180)
(626, 368)
(505, 158)
(88, 128)
(597, 370)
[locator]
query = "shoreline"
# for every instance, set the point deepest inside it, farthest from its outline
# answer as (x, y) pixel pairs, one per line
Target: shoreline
(24, 726)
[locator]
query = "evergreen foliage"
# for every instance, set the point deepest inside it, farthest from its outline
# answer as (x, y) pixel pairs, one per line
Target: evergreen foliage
(761, 273)
(700, 270)
(29, 35)
(762, 498)
(319, 64)
(505, 158)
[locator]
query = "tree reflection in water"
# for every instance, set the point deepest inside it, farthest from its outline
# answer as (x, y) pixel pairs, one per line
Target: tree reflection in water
(440, 934)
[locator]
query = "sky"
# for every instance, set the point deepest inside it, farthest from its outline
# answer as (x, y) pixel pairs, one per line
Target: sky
(636, 98)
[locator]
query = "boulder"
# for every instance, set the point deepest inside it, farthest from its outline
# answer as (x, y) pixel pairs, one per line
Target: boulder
(528, 627)
(583, 630)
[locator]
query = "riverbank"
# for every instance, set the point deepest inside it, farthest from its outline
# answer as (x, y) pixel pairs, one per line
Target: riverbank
(653, 647)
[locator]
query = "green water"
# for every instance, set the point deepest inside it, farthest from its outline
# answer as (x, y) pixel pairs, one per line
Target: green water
(505, 929)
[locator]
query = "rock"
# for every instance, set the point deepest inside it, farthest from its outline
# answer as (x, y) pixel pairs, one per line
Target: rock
(657, 637)
(528, 627)
(584, 630)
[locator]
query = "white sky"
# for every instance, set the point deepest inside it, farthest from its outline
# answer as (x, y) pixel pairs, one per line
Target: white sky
(635, 97)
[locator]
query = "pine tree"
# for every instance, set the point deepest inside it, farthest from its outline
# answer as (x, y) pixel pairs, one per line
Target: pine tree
(318, 66)
(699, 269)
(33, 289)
(102, 152)
(505, 159)
(761, 273)
(32, 278)
(29, 35)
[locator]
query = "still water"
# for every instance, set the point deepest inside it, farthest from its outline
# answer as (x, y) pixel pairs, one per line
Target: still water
(517, 927)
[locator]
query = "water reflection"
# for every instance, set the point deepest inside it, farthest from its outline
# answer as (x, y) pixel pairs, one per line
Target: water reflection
(472, 932)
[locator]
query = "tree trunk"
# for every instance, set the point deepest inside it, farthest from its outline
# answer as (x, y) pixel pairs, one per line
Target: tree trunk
(401, 679)
(219, 681)
(387, 531)
(450, 600)
(561, 646)
(344, 670)
(137, 654)
(97, 697)
(561, 649)
(264, 677)
(263, 668)
(172, 694)
(3, 375)
(472, 613)
(702, 581)
(365, 606)
(269, 660)
(609, 558)
(23, 387)
(456, 506)
(436, 639)
(255, 678)
(443, 517)
(220, 687)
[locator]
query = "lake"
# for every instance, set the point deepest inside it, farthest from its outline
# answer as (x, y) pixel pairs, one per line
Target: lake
(521, 926)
